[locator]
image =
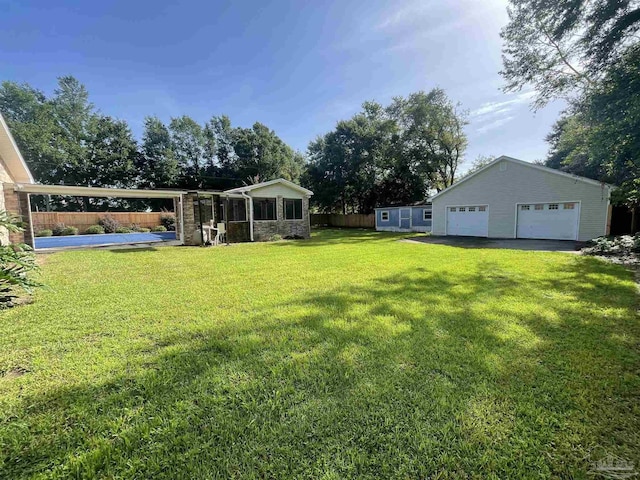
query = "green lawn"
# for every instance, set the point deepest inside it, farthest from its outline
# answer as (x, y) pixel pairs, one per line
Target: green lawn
(349, 355)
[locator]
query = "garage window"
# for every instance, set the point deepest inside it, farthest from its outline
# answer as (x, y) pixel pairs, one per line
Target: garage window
(462, 209)
(524, 207)
(472, 209)
(553, 206)
(482, 209)
(539, 207)
(426, 214)
(569, 206)
(384, 216)
(452, 209)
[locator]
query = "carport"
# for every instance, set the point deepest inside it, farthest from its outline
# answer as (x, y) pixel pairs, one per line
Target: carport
(25, 190)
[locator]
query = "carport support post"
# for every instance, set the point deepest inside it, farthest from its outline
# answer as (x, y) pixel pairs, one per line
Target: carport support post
(226, 219)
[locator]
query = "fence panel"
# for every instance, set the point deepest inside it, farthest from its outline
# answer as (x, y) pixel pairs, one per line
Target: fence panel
(82, 220)
(351, 220)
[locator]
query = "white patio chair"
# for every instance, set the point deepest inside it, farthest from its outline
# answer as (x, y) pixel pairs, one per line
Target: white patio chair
(221, 233)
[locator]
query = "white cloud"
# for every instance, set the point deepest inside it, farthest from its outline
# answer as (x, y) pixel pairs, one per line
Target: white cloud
(495, 108)
(495, 124)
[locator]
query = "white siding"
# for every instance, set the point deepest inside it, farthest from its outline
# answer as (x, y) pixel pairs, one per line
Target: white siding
(275, 190)
(519, 183)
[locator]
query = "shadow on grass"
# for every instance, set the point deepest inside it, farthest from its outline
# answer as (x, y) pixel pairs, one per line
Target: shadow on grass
(412, 375)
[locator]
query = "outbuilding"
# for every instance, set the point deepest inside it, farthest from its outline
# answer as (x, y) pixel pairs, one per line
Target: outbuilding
(406, 218)
(511, 198)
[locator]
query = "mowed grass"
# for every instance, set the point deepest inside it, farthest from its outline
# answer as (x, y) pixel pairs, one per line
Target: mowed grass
(349, 355)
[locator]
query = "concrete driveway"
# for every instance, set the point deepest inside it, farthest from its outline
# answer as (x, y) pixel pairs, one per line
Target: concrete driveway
(507, 243)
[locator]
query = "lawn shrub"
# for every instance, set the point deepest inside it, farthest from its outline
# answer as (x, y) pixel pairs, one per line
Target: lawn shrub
(109, 224)
(274, 238)
(159, 228)
(44, 233)
(621, 245)
(58, 228)
(168, 221)
(67, 231)
(143, 230)
(122, 229)
(94, 230)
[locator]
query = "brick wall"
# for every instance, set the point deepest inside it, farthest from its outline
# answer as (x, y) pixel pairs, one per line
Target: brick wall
(265, 229)
(18, 203)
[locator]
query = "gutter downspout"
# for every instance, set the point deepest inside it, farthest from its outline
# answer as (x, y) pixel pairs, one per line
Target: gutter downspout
(247, 197)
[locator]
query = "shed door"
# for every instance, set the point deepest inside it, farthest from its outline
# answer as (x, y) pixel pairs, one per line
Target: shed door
(553, 221)
(405, 218)
(468, 220)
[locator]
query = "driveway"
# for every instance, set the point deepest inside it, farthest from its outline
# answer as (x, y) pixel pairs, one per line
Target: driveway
(506, 243)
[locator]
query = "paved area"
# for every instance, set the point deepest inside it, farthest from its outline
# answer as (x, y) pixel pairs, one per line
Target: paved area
(107, 239)
(508, 243)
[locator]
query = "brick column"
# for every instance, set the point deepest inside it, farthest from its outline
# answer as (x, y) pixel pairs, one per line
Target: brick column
(18, 204)
(189, 219)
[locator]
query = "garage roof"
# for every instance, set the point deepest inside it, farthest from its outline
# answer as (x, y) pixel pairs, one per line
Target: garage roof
(527, 164)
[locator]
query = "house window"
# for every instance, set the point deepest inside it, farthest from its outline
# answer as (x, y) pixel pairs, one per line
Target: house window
(264, 208)
(553, 206)
(462, 209)
(472, 209)
(539, 206)
(426, 214)
(452, 209)
(237, 210)
(524, 207)
(384, 216)
(482, 209)
(293, 208)
(569, 206)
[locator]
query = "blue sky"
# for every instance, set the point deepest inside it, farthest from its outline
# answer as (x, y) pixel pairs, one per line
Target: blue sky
(297, 66)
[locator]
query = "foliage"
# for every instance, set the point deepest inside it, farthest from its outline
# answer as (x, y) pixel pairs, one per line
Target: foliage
(143, 230)
(58, 229)
(94, 230)
(621, 246)
(44, 233)
(159, 228)
(67, 231)
(372, 358)
(168, 220)
(109, 223)
(384, 156)
(561, 47)
(275, 238)
(123, 229)
(480, 162)
(17, 264)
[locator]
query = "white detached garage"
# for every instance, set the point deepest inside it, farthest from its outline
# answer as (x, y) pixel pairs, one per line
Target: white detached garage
(510, 198)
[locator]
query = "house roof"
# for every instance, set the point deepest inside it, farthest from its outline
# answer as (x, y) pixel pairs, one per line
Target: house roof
(10, 154)
(282, 181)
(527, 164)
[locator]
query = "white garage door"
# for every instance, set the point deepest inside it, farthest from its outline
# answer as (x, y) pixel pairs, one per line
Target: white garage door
(555, 221)
(468, 220)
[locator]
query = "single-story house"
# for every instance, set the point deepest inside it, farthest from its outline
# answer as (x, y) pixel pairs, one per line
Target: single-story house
(510, 198)
(255, 212)
(406, 218)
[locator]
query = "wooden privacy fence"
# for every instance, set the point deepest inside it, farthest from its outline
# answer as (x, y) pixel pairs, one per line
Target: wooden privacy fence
(82, 220)
(351, 220)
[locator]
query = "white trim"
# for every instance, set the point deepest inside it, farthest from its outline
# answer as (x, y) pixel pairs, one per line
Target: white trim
(559, 202)
(607, 220)
(410, 216)
(382, 213)
(77, 191)
(527, 164)
(446, 216)
(22, 164)
(282, 181)
(284, 209)
(424, 212)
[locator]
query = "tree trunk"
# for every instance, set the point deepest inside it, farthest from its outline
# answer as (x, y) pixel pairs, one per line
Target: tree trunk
(634, 219)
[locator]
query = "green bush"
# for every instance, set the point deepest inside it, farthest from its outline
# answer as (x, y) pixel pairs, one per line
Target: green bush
(122, 229)
(168, 221)
(109, 224)
(94, 230)
(143, 230)
(44, 233)
(17, 262)
(274, 238)
(67, 231)
(623, 245)
(159, 228)
(58, 228)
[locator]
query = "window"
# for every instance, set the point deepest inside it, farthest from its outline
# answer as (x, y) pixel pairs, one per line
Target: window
(293, 208)
(452, 209)
(482, 209)
(472, 209)
(462, 209)
(426, 214)
(539, 206)
(264, 208)
(524, 207)
(553, 206)
(569, 206)
(384, 216)
(237, 210)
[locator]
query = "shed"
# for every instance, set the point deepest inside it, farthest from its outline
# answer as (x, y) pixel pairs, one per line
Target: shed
(406, 218)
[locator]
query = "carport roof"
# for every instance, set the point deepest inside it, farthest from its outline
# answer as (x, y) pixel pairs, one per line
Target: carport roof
(77, 191)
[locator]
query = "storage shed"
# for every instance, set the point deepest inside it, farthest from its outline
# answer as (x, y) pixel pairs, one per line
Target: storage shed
(407, 218)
